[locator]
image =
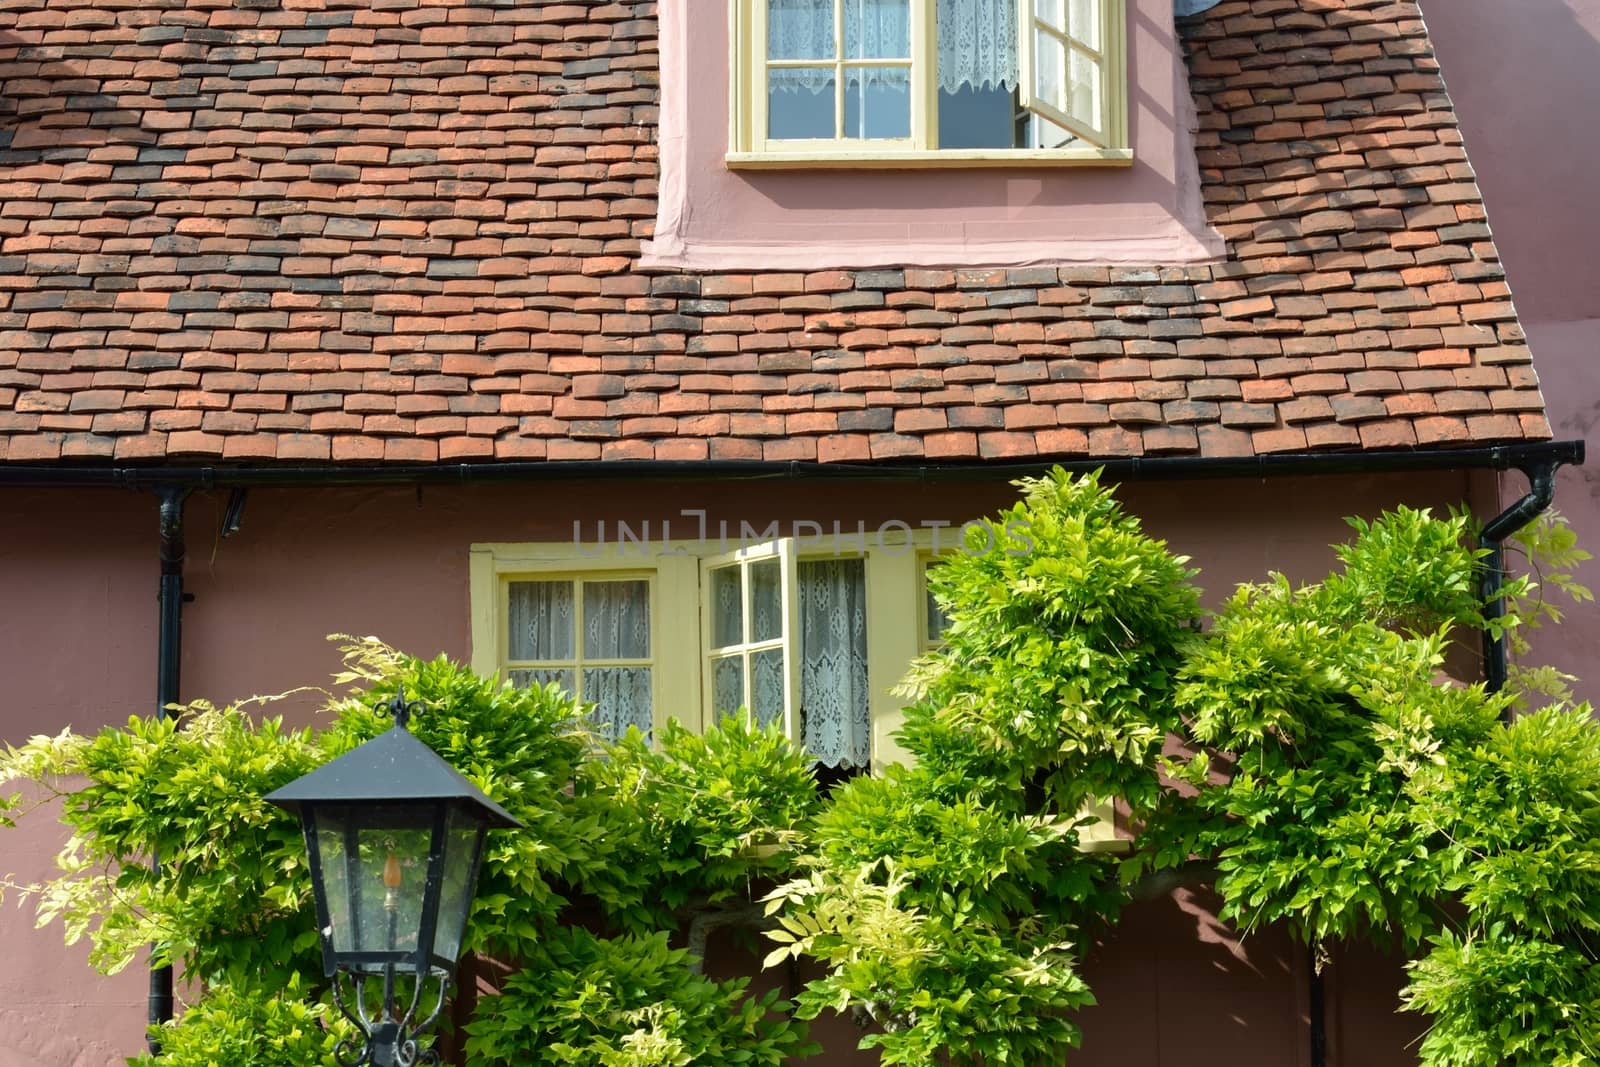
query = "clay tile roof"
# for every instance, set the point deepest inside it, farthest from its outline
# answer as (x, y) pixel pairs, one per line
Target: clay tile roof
(357, 232)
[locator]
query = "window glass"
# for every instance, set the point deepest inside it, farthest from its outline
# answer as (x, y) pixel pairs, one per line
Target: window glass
(727, 685)
(800, 29)
(978, 118)
(800, 105)
(766, 685)
(727, 608)
(934, 619)
(613, 671)
(877, 103)
(616, 620)
(542, 620)
(766, 600)
(877, 29)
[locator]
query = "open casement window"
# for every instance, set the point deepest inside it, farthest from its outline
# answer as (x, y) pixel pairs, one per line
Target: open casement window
(786, 640)
(592, 636)
(1063, 63)
(750, 614)
(927, 82)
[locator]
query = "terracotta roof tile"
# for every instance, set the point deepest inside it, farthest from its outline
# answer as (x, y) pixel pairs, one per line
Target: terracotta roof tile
(365, 235)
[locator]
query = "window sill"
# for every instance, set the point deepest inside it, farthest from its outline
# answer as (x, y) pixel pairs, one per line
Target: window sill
(919, 160)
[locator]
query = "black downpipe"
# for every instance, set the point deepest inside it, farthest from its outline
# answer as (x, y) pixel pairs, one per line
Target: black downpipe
(169, 645)
(1318, 1006)
(1541, 491)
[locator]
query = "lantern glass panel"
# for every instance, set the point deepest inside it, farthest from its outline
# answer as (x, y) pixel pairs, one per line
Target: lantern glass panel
(463, 836)
(374, 874)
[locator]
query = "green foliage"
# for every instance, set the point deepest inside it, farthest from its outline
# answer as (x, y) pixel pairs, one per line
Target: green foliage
(943, 985)
(626, 1002)
(1066, 627)
(1335, 780)
(1507, 1001)
(232, 898)
(258, 1026)
(694, 820)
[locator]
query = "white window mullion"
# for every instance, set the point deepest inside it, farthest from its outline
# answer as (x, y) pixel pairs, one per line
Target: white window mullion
(839, 132)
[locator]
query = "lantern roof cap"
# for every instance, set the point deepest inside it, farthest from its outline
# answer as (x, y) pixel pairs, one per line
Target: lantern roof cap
(394, 766)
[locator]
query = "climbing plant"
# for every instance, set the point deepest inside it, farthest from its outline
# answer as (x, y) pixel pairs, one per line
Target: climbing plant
(1304, 749)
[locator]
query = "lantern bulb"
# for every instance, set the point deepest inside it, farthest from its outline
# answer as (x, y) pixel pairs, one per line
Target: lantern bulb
(391, 872)
(391, 882)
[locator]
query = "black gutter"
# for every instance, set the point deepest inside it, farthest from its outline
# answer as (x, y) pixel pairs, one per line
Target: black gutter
(169, 645)
(1499, 457)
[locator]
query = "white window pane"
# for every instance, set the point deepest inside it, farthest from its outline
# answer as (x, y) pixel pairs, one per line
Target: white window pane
(766, 600)
(1050, 12)
(836, 719)
(877, 29)
(1049, 71)
(616, 620)
(541, 623)
(562, 676)
(727, 685)
(877, 103)
(1084, 24)
(1084, 104)
(621, 696)
(800, 29)
(727, 608)
(766, 686)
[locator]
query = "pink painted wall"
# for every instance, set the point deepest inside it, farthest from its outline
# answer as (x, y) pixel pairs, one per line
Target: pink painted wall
(712, 217)
(79, 575)
(1525, 78)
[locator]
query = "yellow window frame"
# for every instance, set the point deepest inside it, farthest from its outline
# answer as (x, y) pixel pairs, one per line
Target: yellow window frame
(750, 148)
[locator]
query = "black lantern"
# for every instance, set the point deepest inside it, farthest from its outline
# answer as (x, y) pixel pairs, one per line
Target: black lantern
(395, 837)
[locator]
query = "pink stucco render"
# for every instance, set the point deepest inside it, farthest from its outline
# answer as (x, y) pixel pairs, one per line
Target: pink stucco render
(1525, 78)
(712, 217)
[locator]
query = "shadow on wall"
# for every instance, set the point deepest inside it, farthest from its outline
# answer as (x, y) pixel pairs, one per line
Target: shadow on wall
(1525, 78)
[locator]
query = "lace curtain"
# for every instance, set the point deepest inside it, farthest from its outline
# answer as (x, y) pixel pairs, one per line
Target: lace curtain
(835, 712)
(616, 626)
(977, 41)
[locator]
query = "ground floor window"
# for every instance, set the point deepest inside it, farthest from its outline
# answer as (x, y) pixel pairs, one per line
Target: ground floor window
(785, 630)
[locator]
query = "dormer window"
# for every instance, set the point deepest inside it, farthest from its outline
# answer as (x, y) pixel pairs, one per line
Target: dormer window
(928, 82)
